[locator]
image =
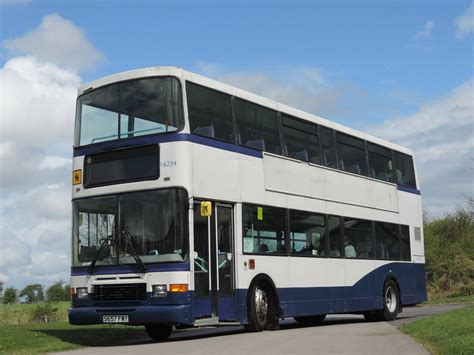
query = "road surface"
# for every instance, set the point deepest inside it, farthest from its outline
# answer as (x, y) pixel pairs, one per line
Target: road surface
(339, 334)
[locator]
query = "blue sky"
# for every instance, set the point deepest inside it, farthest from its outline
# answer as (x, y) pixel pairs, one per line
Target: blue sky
(401, 70)
(366, 44)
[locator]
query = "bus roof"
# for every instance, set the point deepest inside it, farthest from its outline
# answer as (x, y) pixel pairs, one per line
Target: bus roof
(246, 95)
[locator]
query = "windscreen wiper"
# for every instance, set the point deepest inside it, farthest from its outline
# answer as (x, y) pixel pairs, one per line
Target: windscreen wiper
(90, 270)
(128, 240)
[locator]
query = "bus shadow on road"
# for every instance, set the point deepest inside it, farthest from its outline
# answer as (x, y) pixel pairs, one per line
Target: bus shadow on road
(100, 337)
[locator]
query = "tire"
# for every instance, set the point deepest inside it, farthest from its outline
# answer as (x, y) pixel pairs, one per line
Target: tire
(258, 308)
(391, 304)
(159, 332)
(311, 320)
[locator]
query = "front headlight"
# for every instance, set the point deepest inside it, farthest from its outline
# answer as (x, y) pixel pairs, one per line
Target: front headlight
(81, 292)
(159, 290)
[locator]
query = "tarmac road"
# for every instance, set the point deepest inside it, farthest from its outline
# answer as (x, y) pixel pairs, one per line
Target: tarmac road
(339, 334)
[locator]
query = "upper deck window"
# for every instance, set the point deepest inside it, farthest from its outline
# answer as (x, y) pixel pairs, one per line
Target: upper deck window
(210, 112)
(351, 154)
(404, 171)
(258, 127)
(129, 109)
(301, 139)
(380, 162)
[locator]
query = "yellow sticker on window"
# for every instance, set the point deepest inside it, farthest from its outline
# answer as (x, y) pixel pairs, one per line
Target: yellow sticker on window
(260, 213)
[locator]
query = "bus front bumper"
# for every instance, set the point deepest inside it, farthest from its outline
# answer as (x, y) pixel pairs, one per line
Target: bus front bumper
(140, 315)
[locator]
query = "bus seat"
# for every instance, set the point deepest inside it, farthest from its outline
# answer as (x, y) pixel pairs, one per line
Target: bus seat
(303, 155)
(256, 143)
(207, 131)
(353, 169)
(263, 248)
(382, 176)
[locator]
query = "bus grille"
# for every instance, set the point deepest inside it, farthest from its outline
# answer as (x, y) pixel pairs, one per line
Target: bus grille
(119, 292)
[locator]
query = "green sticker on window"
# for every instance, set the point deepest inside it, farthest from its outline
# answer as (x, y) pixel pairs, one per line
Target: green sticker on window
(260, 213)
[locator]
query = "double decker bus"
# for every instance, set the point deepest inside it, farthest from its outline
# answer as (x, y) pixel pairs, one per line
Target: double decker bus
(196, 203)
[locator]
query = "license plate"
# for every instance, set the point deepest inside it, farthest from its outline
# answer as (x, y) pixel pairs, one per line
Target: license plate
(115, 319)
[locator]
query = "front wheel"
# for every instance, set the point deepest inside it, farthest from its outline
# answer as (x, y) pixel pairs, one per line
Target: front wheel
(159, 332)
(258, 309)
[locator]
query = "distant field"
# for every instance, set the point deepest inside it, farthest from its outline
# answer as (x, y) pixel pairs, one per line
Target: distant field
(25, 313)
(447, 333)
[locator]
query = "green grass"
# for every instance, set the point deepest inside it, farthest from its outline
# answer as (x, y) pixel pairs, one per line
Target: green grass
(459, 299)
(447, 333)
(48, 337)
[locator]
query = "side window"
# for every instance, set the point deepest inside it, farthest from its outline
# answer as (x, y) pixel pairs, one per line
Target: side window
(358, 238)
(258, 127)
(404, 171)
(307, 233)
(351, 154)
(210, 112)
(301, 139)
(387, 244)
(380, 162)
(328, 153)
(405, 252)
(335, 237)
(263, 230)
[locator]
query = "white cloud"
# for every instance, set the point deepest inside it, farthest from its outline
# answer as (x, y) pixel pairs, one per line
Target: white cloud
(58, 41)
(441, 135)
(427, 31)
(464, 24)
(38, 93)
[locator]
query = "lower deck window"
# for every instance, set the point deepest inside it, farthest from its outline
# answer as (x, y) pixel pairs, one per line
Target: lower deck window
(264, 230)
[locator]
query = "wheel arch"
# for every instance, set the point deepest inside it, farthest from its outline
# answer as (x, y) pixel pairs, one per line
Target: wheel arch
(266, 281)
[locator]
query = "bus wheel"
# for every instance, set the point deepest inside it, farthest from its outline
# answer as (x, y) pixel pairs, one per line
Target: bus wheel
(258, 309)
(159, 332)
(391, 302)
(311, 320)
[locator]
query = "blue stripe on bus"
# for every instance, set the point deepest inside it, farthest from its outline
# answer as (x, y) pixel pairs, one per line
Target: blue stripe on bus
(126, 269)
(184, 137)
(408, 189)
(166, 138)
(366, 294)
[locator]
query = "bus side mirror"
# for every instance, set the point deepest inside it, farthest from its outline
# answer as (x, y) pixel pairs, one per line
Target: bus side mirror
(206, 208)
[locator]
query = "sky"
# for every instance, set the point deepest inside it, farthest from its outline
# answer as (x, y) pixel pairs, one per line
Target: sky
(401, 70)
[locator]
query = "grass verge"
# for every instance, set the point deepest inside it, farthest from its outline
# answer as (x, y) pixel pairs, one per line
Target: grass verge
(447, 333)
(459, 299)
(49, 337)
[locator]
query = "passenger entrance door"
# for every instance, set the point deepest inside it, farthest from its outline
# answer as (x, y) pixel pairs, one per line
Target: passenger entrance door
(214, 295)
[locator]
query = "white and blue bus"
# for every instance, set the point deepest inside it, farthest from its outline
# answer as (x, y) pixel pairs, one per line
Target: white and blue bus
(196, 203)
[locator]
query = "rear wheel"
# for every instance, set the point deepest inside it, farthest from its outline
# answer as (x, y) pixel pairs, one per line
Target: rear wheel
(311, 320)
(159, 332)
(391, 304)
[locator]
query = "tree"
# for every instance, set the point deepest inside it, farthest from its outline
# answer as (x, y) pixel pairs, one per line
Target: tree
(67, 292)
(57, 292)
(9, 296)
(33, 293)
